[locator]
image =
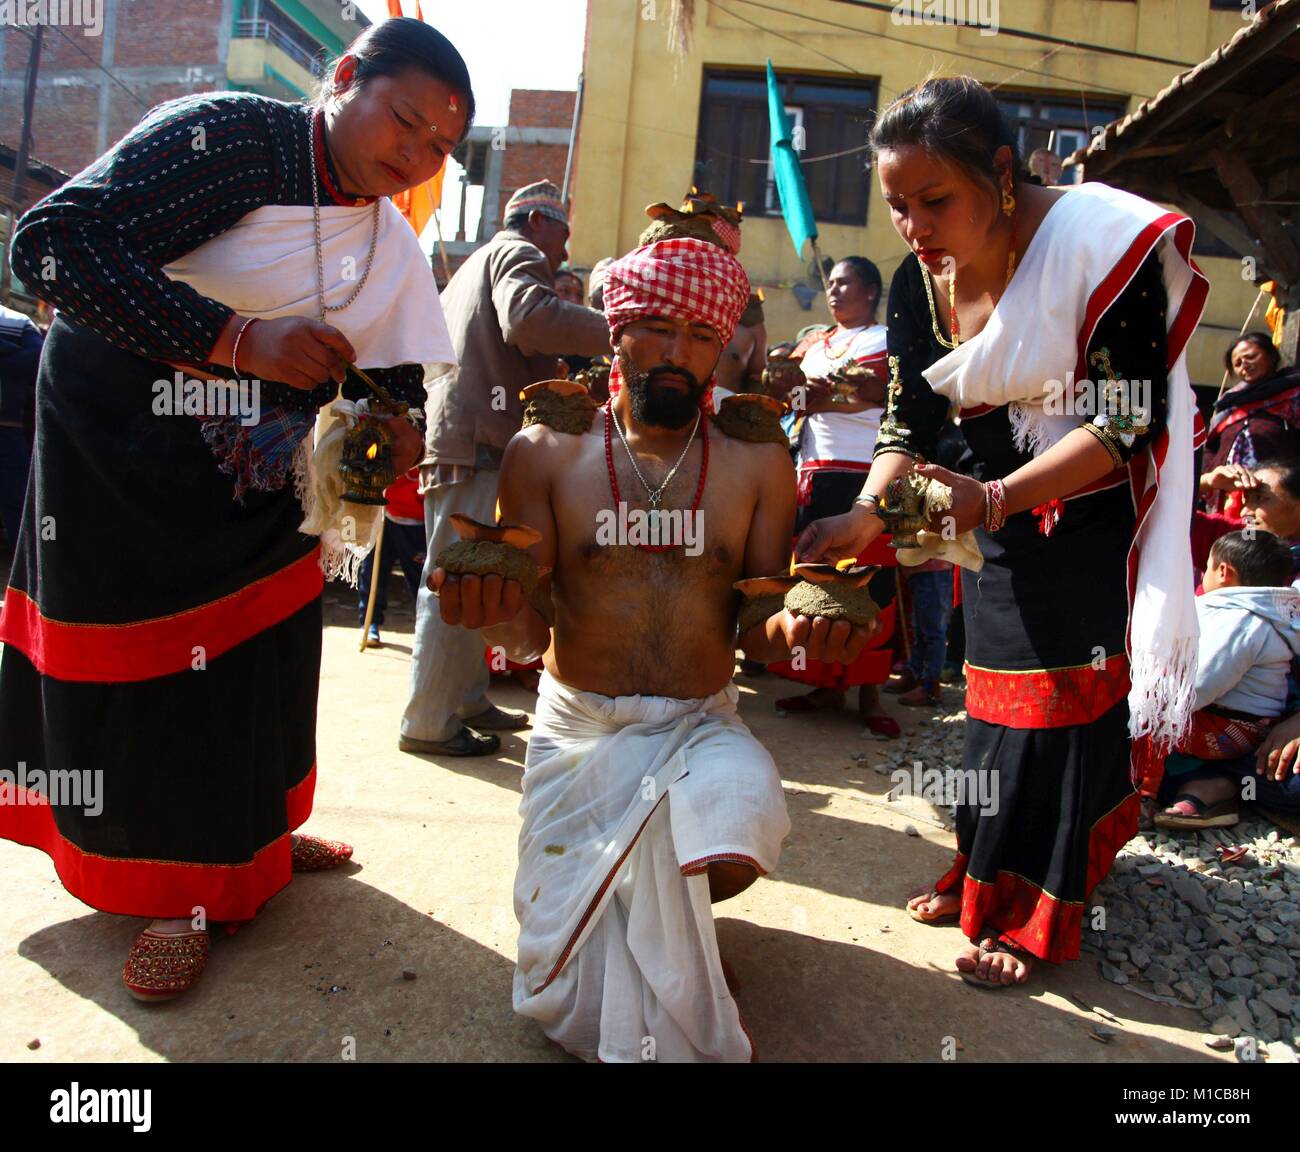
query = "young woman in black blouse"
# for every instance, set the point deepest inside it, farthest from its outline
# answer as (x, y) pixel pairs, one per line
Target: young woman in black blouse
(162, 625)
(1053, 322)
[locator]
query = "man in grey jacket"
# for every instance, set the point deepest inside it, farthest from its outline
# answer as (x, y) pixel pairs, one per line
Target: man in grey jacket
(508, 326)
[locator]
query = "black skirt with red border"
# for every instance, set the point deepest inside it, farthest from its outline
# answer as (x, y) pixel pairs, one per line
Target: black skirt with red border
(162, 641)
(1049, 799)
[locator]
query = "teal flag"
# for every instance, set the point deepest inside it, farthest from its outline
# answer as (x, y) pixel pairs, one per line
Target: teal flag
(795, 205)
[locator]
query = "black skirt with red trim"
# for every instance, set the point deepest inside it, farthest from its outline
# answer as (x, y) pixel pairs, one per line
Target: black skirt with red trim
(1048, 798)
(162, 643)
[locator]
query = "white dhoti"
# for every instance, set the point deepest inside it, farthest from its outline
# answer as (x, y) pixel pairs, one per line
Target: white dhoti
(626, 802)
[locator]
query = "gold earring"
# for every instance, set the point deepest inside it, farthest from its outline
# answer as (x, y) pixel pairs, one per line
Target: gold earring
(1008, 203)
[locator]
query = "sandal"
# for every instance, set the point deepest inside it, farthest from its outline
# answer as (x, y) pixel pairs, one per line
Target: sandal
(1196, 813)
(312, 854)
(988, 947)
(941, 918)
(162, 965)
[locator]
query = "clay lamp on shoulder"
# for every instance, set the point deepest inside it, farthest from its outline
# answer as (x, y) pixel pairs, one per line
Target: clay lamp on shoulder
(753, 417)
(564, 405)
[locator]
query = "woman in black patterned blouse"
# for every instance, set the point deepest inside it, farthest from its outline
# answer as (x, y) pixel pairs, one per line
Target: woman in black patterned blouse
(162, 625)
(1053, 322)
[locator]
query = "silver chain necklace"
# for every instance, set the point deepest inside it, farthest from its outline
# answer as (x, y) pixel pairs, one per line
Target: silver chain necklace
(320, 255)
(656, 495)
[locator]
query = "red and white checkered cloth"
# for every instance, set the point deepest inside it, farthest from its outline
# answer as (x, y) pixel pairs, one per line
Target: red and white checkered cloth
(683, 279)
(728, 233)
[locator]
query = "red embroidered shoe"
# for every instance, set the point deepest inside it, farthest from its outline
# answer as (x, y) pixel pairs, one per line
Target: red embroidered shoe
(161, 966)
(312, 854)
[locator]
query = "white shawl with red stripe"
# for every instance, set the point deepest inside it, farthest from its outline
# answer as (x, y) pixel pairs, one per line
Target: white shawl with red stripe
(1086, 250)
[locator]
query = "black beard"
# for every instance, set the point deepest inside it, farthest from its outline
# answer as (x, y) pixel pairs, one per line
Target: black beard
(657, 405)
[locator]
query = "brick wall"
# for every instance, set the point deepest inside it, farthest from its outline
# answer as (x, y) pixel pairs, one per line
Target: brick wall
(527, 163)
(154, 42)
(538, 108)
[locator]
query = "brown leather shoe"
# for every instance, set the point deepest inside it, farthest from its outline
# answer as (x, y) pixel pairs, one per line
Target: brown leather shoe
(494, 719)
(926, 694)
(905, 683)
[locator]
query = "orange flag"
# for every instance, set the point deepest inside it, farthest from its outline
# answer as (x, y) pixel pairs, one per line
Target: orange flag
(417, 204)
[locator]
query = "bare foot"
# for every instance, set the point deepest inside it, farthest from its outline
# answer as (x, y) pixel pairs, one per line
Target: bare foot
(1208, 792)
(995, 963)
(869, 701)
(929, 907)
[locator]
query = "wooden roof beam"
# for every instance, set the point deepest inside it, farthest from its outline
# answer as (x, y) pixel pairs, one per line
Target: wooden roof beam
(1247, 194)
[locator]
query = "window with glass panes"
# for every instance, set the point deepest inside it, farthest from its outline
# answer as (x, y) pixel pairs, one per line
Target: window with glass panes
(1051, 122)
(831, 119)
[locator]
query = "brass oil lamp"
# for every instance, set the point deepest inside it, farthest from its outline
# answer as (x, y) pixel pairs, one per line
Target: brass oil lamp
(367, 463)
(902, 507)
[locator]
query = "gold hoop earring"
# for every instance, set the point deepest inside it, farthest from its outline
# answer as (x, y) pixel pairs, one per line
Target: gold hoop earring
(1008, 203)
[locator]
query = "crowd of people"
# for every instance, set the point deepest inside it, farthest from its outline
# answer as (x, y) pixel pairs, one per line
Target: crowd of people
(1127, 622)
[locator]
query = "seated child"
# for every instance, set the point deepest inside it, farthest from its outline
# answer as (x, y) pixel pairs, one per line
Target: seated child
(1249, 618)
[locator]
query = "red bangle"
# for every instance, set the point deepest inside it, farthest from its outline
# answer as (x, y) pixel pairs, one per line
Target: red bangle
(234, 352)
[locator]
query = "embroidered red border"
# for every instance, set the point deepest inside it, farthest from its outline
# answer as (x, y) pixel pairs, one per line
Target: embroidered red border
(1027, 916)
(1046, 697)
(120, 653)
(161, 888)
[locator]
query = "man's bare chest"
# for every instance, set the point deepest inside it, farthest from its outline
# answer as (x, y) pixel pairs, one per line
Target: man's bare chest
(607, 528)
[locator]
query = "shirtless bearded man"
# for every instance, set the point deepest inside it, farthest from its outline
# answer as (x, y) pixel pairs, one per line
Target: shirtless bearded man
(644, 795)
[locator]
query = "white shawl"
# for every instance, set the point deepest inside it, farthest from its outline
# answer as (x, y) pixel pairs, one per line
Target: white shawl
(1086, 250)
(265, 266)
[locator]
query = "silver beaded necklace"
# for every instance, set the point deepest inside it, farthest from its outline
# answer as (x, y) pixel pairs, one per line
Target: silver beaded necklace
(322, 307)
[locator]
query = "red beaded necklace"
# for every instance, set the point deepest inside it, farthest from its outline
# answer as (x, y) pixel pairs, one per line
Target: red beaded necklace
(613, 476)
(323, 168)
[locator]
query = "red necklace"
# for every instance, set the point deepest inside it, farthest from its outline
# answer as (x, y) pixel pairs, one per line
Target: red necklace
(613, 476)
(323, 168)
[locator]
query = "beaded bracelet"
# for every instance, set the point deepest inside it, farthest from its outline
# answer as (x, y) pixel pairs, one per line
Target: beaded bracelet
(234, 352)
(995, 505)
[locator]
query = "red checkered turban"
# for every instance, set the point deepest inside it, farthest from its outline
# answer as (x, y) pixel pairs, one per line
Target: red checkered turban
(683, 279)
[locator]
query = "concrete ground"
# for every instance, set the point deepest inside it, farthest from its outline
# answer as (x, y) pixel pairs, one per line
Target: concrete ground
(830, 967)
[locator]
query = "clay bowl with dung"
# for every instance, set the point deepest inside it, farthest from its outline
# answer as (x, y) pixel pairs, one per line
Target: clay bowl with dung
(494, 550)
(811, 590)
